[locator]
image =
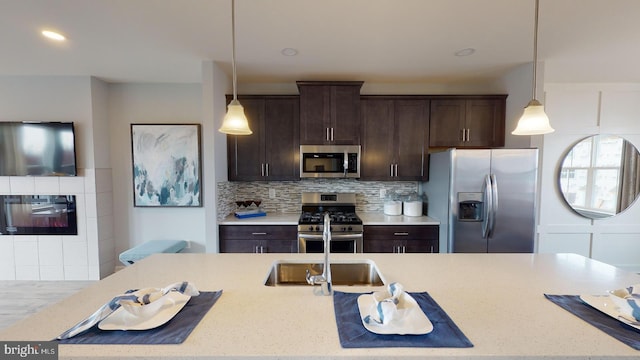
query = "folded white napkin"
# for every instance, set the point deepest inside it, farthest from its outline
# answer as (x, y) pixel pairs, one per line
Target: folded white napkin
(385, 308)
(149, 301)
(135, 300)
(628, 302)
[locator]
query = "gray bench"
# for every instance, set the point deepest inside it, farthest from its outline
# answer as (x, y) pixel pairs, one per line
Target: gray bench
(141, 251)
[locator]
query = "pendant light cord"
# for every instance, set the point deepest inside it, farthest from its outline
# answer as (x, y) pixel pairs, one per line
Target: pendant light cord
(233, 47)
(535, 49)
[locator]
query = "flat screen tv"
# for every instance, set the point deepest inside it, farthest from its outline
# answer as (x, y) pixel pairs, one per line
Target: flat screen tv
(37, 149)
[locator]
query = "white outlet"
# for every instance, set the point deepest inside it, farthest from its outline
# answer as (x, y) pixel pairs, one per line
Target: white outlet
(272, 193)
(383, 193)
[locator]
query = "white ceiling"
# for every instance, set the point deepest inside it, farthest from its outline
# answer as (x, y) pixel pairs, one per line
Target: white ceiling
(400, 41)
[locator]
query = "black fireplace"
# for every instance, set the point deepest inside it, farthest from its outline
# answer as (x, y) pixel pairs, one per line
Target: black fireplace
(38, 215)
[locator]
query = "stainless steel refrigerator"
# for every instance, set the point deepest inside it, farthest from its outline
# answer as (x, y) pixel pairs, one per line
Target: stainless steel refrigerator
(485, 199)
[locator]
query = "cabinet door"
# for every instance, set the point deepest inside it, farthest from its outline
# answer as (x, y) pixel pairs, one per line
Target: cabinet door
(282, 139)
(378, 143)
(315, 110)
(484, 124)
(280, 246)
(330, 113)
(419, 246)
(446, 123)
(244, 155)
(238, 246)
(345, 115)
(412, 136)
(379, 246)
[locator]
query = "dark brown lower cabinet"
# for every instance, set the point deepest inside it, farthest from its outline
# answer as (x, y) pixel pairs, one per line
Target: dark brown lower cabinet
(258, 239)
(401, 239)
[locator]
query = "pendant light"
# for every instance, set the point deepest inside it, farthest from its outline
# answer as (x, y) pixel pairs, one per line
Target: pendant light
(534, 121)
(235, 122)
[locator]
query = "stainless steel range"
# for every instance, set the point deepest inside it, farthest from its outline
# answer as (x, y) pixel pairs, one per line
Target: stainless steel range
(346, 226)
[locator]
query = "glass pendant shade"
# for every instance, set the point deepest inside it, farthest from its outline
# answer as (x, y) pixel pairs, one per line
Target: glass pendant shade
(235, 122)
(534, 120)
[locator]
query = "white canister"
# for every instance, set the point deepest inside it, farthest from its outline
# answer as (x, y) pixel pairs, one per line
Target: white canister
(393, 207)
(413, 208)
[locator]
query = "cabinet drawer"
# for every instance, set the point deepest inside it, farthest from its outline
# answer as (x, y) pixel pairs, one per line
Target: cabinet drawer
(258, 246)
(395, 232)
(400, 246)
(258, 232)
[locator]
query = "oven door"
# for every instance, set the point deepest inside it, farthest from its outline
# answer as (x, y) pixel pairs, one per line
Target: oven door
(340, 243)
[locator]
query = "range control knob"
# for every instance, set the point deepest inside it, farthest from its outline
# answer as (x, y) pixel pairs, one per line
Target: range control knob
(343, 229)
(311, 228)
(317, 228)
(350, 228)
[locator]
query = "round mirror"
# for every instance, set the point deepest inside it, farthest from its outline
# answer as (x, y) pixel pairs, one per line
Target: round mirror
(600, 176)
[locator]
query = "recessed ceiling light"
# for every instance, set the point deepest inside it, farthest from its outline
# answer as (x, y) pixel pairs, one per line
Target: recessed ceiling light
(53, 35)
(289, 52)
(465, 52)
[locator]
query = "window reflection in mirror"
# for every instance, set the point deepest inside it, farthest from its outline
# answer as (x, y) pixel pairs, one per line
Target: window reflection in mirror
(600, 176)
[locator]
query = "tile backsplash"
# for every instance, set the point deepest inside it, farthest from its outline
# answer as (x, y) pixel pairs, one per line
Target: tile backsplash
(288, 193)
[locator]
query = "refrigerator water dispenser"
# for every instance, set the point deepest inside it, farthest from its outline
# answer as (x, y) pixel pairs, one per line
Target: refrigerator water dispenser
(470, 206)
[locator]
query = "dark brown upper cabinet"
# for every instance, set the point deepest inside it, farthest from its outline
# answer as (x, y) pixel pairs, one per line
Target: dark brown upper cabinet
(272, 151)
(468, 121)
(395, 138)
(329, 112)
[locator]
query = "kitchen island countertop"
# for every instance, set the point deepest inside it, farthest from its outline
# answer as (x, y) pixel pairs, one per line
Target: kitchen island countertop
(497, 300)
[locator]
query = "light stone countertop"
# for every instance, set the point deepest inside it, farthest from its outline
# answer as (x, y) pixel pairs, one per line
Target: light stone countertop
(495, 299)
(379, 218)
(368, 218)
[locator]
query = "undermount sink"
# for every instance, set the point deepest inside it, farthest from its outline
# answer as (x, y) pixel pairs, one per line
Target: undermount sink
(349, 273)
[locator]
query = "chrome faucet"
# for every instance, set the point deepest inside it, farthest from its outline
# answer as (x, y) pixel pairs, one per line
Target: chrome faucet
(325, 278)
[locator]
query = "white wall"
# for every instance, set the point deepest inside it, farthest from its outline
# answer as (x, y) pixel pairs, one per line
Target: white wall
(215, 84)
(151, 103)
(577, 111)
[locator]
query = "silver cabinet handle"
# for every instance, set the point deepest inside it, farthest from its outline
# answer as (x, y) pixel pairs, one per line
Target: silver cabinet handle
(327, 135)
(267, 168)
(258, 233)
(331, 134)
(462, 134)
(468, 134)
(404, 249)
(262, 169)
(400, 234)
(393, 170)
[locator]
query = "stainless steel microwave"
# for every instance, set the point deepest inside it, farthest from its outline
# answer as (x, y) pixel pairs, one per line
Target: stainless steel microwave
(329, 161)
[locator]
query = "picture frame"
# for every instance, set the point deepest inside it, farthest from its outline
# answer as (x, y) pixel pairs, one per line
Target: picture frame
(166, 164)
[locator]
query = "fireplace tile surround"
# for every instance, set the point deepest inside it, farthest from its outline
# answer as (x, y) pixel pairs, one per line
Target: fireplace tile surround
(89, 255)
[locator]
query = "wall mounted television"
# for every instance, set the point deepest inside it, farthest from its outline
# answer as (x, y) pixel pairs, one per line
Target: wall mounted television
(37, 149)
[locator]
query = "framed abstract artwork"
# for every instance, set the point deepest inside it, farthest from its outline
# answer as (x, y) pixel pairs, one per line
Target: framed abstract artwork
(166, 165)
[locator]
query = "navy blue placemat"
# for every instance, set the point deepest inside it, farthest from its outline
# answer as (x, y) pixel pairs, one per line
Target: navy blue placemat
(617, 329)
(354, 335)
(174, 331)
